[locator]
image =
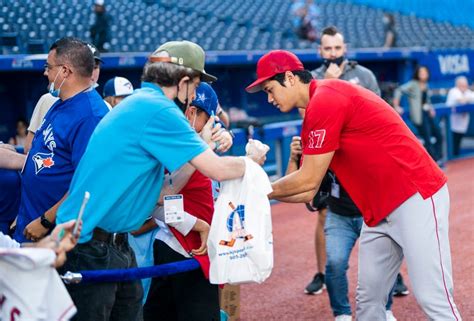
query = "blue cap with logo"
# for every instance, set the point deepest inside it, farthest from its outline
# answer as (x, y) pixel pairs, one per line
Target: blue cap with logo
(206, 99)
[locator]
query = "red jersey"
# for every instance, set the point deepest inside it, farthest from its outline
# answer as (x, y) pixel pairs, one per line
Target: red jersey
(377, 158)
(198, 201)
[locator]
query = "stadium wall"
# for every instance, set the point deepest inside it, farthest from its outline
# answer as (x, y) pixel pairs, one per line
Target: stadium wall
(22, 82)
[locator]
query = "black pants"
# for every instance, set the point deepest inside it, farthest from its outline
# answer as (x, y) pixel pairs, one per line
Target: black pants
(181, 297)
(457, 137)
(108, 300)
(429, 128)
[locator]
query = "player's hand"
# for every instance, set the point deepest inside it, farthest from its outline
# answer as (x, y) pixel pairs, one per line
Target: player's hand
(432, 112)
(295, 148)
(203, 229)
(257, 151)
(334, 71)
(35, 231)
(222, 138)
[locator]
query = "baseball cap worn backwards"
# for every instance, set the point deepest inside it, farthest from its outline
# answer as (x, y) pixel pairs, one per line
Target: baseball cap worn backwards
(273, 63)
(183, 53)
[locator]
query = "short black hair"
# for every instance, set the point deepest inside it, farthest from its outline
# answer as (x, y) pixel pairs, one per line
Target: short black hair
(330, 31)
(304, 75)
(75, 52)
(416, 75)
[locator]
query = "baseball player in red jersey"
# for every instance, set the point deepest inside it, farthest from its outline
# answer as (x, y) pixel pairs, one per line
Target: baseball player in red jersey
(399, 189)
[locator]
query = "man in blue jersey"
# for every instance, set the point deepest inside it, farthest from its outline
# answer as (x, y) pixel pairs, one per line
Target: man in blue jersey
(62, 138)
(123, 169)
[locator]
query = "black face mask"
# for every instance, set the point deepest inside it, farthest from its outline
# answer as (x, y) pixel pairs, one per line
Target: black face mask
(337, 61)
(179, 103)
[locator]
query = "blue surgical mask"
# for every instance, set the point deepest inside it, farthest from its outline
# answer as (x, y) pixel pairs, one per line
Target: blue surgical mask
(55, 92)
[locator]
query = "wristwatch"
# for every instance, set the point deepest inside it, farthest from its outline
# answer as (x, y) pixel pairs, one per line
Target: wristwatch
(47, 224)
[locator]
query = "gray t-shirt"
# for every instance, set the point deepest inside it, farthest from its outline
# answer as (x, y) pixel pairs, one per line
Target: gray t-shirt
(353, 73)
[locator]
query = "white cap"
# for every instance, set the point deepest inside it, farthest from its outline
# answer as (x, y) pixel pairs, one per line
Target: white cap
(118, 86)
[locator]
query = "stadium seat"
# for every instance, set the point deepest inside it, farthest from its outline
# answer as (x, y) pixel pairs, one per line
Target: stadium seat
(36, 46)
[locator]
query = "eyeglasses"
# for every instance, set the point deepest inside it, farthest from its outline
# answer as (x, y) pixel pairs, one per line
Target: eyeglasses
(49, 67)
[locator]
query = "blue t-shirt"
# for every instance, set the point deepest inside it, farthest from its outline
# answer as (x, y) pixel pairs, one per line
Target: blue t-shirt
(9, 198)
(123, 166)
(55, 153)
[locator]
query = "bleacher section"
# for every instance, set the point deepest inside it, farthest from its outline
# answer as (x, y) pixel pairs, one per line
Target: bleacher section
(30, 26)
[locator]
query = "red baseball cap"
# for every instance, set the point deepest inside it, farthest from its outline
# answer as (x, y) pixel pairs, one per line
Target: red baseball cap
(273, 63)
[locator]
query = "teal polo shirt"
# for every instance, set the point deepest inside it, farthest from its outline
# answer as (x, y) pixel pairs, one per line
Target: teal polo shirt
(123, 165)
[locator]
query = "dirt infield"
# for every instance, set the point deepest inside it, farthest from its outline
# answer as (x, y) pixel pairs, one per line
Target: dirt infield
(281, 297)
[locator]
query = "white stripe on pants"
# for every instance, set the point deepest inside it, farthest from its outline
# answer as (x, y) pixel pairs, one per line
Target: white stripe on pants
(418, 231)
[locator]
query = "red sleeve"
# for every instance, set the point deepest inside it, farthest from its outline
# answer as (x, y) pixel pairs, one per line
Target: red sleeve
(324, 121)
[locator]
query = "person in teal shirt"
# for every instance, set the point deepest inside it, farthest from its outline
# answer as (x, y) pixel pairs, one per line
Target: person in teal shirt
(123, 169)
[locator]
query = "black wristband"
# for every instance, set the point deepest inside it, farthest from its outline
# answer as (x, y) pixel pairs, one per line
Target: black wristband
(46, 223)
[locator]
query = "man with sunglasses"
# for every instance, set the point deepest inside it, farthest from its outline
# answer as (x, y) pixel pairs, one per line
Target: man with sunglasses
(60, 141)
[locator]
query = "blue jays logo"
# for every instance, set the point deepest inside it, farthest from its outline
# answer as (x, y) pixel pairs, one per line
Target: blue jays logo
(128, 85)
(236, 226)
(43, 160)
(201, 97)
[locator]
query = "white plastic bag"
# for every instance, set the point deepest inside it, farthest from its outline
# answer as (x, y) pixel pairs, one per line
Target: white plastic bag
(240, 243)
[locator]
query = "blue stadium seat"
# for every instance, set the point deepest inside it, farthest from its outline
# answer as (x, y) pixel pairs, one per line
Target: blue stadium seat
(222, 25)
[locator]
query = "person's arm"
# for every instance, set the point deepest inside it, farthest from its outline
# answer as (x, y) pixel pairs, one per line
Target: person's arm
(295, 155)
(299, 198)
(28, 140)
(223, 116)
(306, 179)
(188, 224)
(61, 241)
(219, 168)
(175, 181)
(11, 160)
(404, 89)
(228, 167)
(35, 230)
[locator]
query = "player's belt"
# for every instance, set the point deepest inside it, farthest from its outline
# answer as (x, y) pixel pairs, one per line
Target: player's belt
(111, 238)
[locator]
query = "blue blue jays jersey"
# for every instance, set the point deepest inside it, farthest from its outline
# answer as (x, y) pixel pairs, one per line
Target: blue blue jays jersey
(56, 150)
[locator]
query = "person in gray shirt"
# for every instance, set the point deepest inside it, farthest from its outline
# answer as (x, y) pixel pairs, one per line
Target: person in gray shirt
(335, 64)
